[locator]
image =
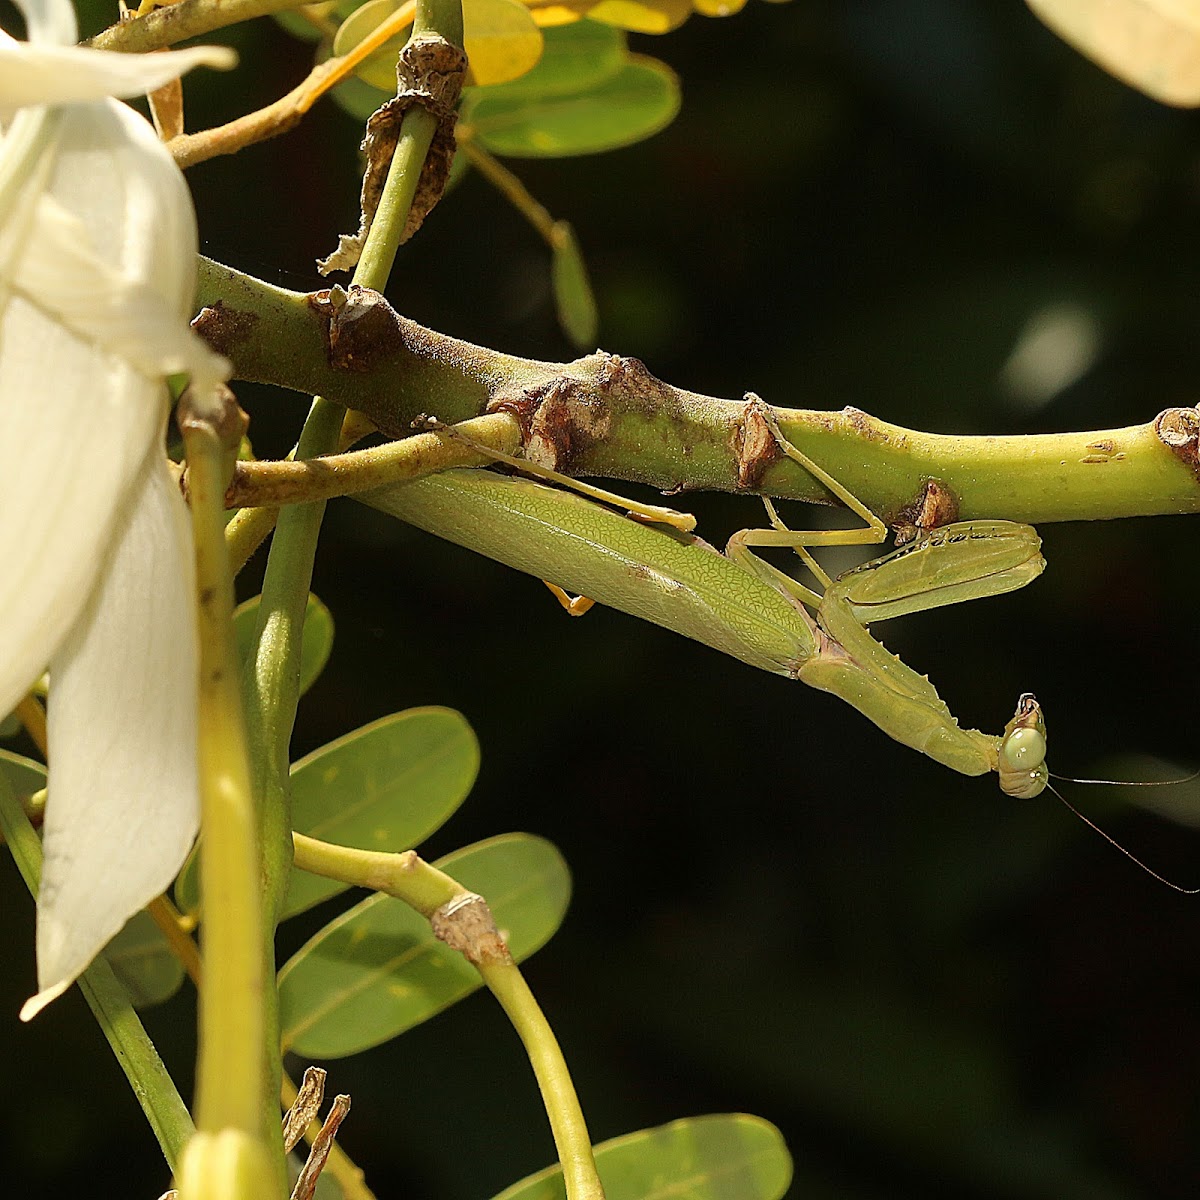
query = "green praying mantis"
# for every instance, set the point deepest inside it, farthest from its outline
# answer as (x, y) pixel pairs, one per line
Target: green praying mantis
(656, 569)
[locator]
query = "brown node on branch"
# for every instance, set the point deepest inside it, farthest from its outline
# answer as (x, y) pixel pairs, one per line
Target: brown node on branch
(935, 505)
(466, 924)
(1179, 430)
(429, 75)
(557, 421)
(361, 327)
(755, 447)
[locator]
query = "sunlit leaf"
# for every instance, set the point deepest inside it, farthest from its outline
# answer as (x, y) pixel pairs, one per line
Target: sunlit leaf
(551, 16)
(377, 970)
(720, 1157)
(501, 38)
(718, 8)
(144, 963)
(316, 641)
(573, 298)
(386, 786)
(574, 58)
(1152, 45)
(642, 16)
(627, 107)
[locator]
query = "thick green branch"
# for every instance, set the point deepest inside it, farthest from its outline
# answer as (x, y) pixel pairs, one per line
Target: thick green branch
(607, 415)
(178, 22)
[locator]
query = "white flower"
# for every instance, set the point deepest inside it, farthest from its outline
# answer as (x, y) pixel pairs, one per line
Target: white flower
(97, 262)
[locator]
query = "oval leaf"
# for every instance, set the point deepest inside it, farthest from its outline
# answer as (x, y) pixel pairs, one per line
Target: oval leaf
(718, 8)
(573, 298)
(377, 970)
(502, 41)
(386, 786)
(316, 641)
(574, 58)
(144, 962)
(636, 102)
(642, 16)
(720, 1157)
(1152, 45)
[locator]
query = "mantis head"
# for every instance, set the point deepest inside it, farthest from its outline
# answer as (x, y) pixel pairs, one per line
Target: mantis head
(1022, 757)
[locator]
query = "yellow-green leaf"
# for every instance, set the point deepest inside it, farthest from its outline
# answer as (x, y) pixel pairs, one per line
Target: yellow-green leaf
(24, 774)
(642, 16)
(379, 69)
(501, 38)
(1152, 45)
(637, 101)
(377, 970)
(724, 1156)
(386, 787)
(718, 8)
(573, 298)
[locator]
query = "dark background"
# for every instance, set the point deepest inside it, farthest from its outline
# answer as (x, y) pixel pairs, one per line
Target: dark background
(929, 987)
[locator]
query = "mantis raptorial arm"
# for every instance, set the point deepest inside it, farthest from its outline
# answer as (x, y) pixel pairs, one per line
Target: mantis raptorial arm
(745, 607)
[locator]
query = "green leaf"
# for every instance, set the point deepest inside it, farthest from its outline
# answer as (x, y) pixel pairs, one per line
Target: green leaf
(360, 99)
(386, 786)
(573, 298)
(636, 102)
(719, 1157)
(377, 970)
(575, 57)
(500, 37)
(316, 640)
(143, 961)
(24, 774)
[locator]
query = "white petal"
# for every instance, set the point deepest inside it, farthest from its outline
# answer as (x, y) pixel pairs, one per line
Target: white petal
(123, 803)
(75, 426)
(76, 421)
(42, 74)
(50, 21)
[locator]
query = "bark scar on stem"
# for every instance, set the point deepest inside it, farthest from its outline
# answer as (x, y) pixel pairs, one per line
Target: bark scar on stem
(755, 447)
(559, 420)
(1179, 430)
(429, 75)
(936, 505)
(224, 328)
(466, 924)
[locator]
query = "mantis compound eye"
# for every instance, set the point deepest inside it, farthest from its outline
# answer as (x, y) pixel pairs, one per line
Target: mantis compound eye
(1024, 749)
(1022, 767)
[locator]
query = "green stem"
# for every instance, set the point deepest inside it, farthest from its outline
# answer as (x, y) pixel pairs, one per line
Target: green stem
(259, 484)
(604, 415)
(567, 1124)
(272, 680)
(110, 1004)
(232, 1022)
(461, 919)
